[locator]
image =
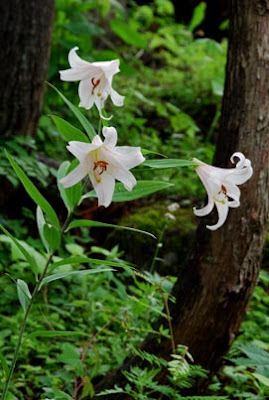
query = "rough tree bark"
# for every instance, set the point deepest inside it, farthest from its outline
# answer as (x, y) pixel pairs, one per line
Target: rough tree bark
(25, 31)
(213, 291)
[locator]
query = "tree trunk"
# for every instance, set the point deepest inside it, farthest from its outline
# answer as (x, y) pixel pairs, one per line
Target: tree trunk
(25, 30)
(213, 291)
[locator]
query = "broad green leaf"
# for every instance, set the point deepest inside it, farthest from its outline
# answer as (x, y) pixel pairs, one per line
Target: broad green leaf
(70, 196)
(128, 34)
(34, 193)
(20, 246)
(168, 163)
(62, 275)
(69, 131)
(23, 294)
(4, 364)
(87, 260)
(141, 189)
(43, 333)
(52, 237)
(82, 119)
(90, 224)
(197, 16)
(40, 225)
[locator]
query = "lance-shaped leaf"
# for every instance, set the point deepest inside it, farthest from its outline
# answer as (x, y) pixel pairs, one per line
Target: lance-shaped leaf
(34, 193)
(69, 131)
(141, 189)
(87, 260)
(168, 163)
(61, 275)
(90, 224)
(82, 119)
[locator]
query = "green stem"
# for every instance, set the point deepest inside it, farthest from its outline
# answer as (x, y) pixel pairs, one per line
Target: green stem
(157, 249)
(27, 312)
(23, 325)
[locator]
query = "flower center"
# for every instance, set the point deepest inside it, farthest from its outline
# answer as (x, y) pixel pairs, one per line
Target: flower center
(221, 196)
(99, 168)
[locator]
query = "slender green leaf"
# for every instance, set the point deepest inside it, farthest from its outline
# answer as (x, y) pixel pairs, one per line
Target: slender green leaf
(69, 274)
(23, 294)
(87, 260)
(146, 152)
(69, 131)
(23, 250)
(50, 334)
(168, 163)
(34, 193)
(141, 189)
(90, 224)
(82, 119)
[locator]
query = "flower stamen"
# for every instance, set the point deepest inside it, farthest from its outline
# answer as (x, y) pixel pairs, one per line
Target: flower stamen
(101, 165)
(95, 84)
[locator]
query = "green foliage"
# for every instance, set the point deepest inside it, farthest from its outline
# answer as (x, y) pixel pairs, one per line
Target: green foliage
(22, 148)
(82, 327)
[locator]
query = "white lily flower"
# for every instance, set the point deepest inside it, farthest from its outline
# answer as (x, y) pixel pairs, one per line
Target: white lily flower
(221, 186)
(95, 80)
(103, 162)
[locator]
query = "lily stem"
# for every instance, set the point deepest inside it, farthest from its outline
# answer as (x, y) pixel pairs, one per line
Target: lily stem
(23, 325)
(27, 312)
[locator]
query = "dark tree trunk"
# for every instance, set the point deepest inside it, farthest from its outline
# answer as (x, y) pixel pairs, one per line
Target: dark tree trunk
(25, 32)
(213, 291)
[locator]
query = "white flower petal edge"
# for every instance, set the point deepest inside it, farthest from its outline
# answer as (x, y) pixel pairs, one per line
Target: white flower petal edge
(95, 81)
(221, 186)
(104, 163)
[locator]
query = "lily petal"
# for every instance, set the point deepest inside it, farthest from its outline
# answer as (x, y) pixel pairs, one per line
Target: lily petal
(80, 149)
(104, 189)
(109, 68)
(85, 96)
(116, 98)
(74, 60)
(124, 176)
(72, 75)
(205, 210)
(110, 135)
(223, 209)
(129, 156)
(74, 176)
